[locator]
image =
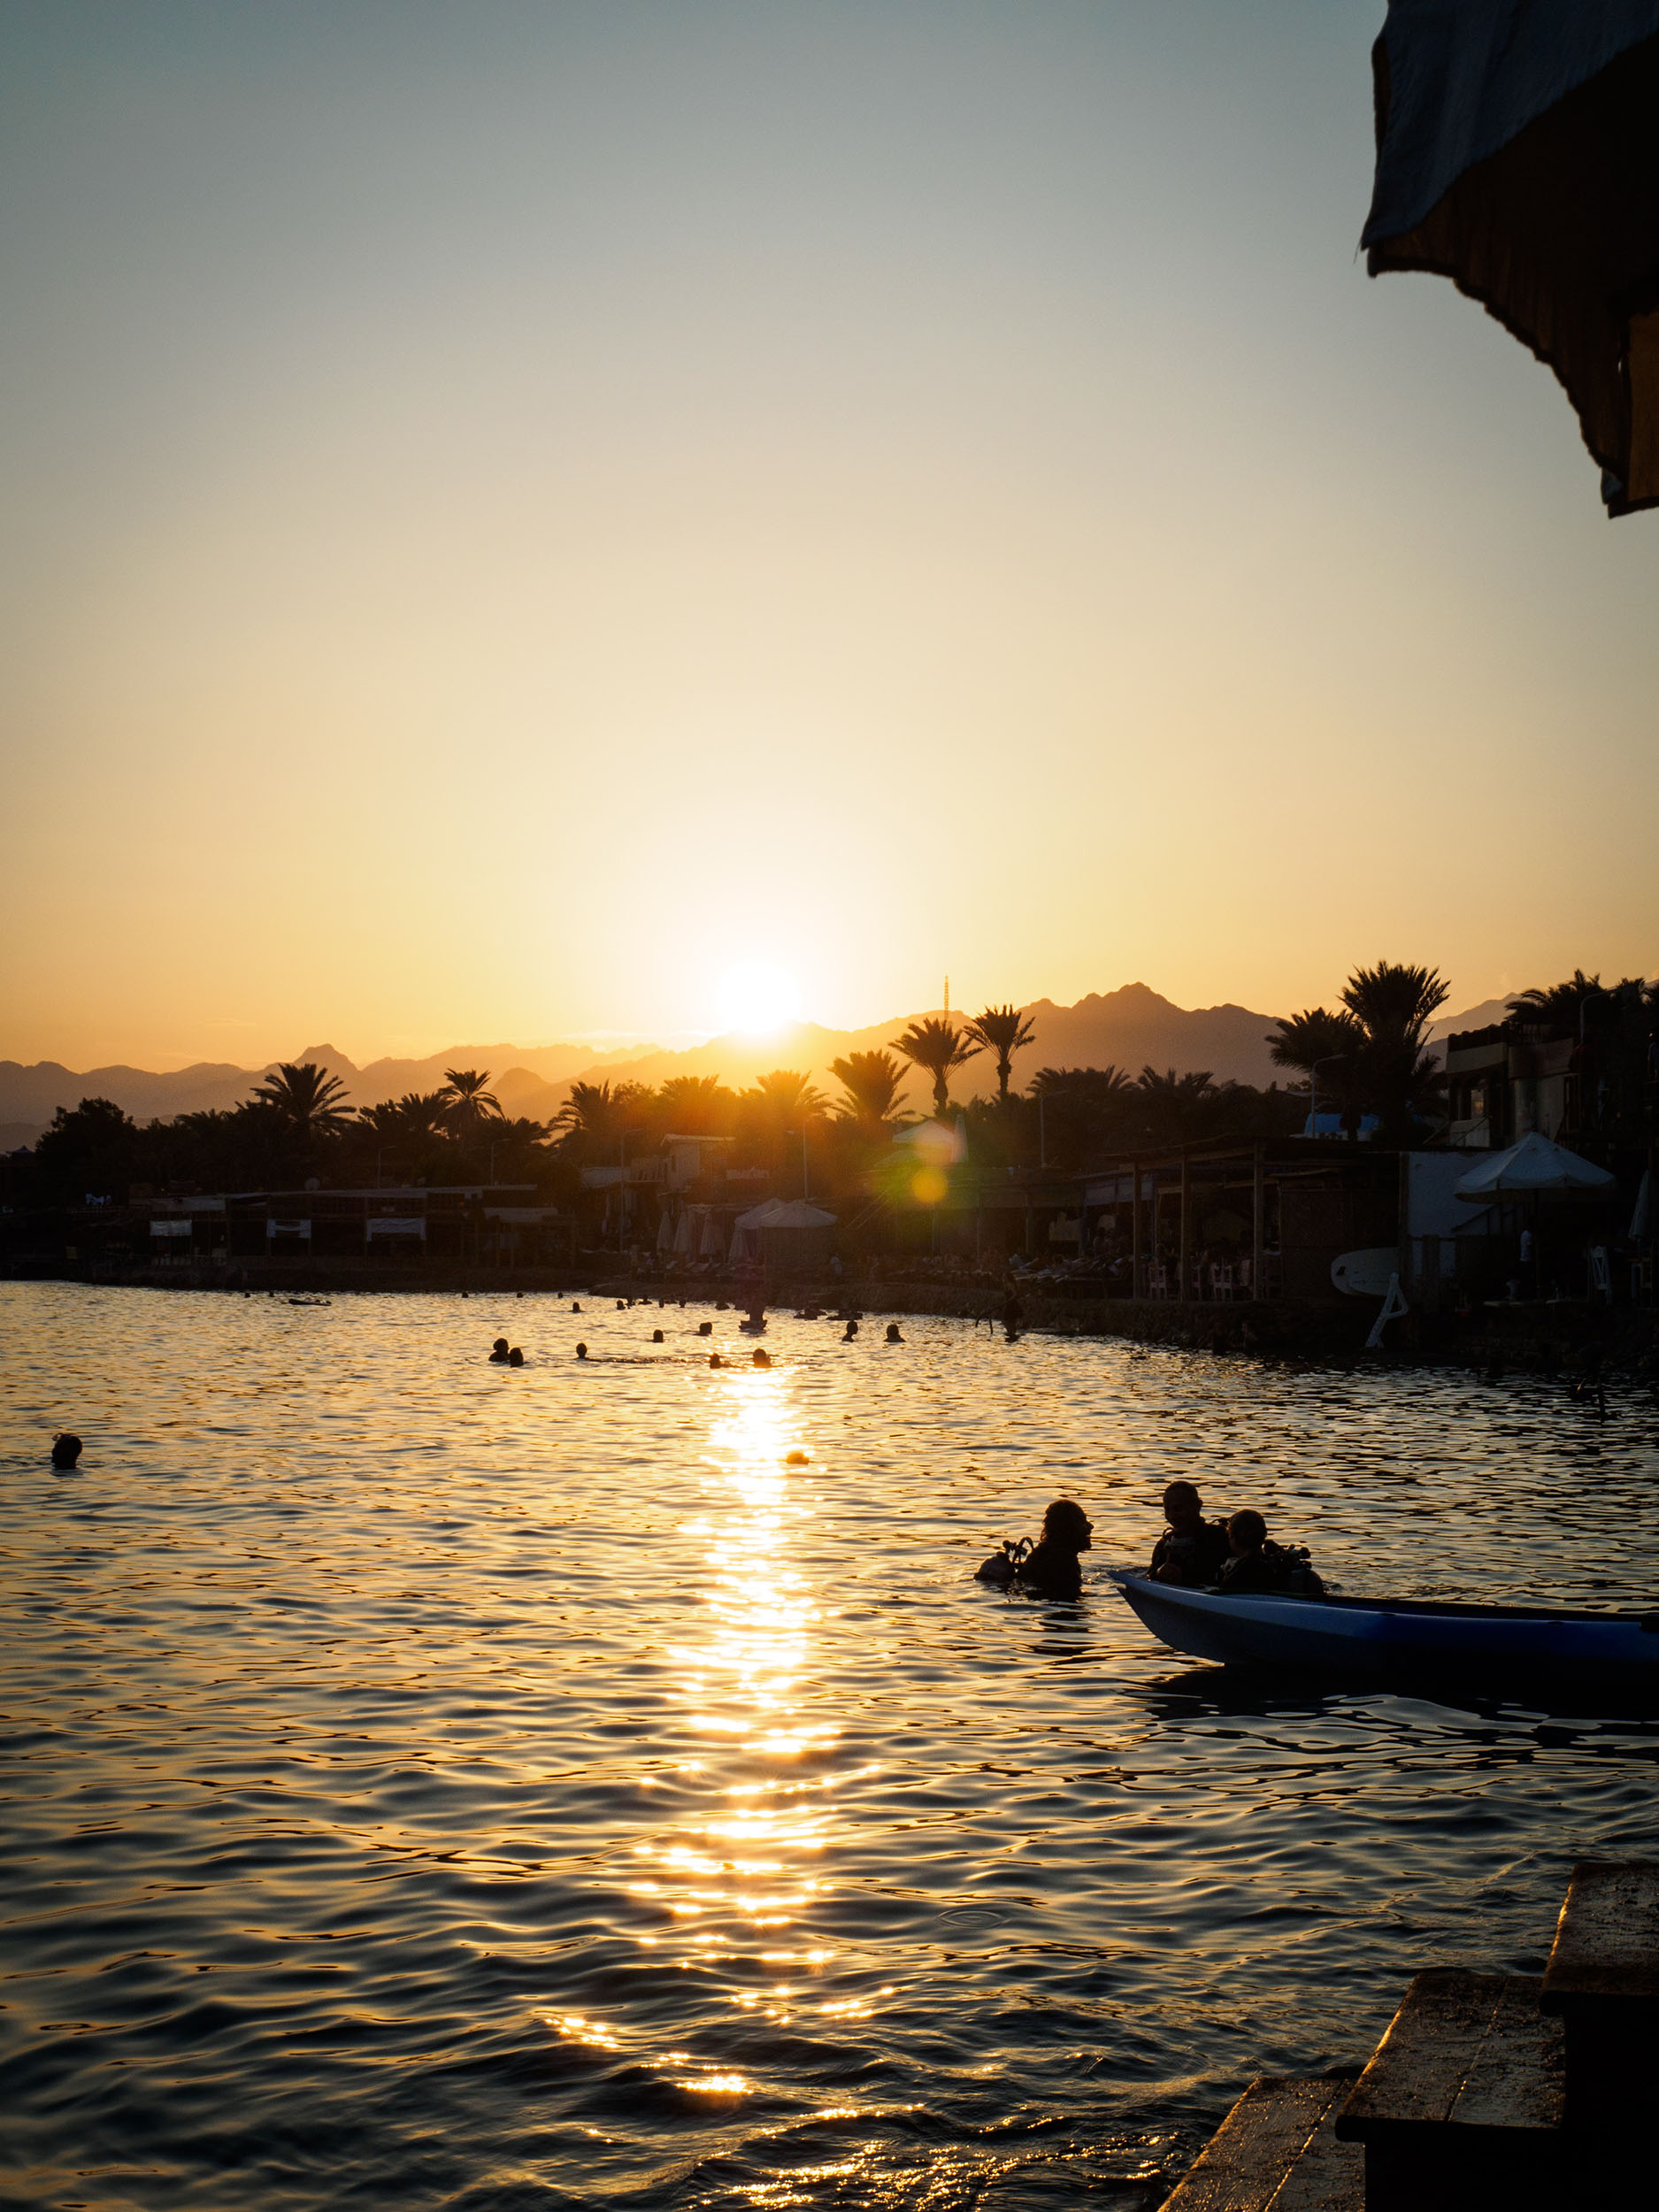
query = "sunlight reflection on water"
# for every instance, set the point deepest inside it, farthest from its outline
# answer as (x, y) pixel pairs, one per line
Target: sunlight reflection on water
(430, 1783)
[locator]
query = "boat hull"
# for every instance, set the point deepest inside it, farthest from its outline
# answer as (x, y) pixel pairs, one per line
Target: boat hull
(1618, 1653)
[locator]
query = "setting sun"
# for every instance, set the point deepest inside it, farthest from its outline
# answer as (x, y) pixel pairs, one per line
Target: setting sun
(758, 996)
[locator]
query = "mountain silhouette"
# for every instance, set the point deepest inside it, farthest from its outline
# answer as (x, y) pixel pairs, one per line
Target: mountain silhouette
(1130, 1027)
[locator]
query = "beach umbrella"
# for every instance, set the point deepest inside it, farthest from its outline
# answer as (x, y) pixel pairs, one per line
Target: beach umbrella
(1517, 153)
(796, 1213)
(713, 1240)
(665, 1234)
(1535, 1168)
(682, 1230)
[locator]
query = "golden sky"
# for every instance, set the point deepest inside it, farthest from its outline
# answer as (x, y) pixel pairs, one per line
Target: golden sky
(511, 511)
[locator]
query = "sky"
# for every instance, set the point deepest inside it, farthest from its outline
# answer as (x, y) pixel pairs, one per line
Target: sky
(512, 513)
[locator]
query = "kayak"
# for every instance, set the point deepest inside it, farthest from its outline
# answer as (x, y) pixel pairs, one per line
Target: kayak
(1616, 1653)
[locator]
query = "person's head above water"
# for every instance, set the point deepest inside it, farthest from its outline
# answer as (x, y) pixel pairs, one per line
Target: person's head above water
(760, 1358)
(1247, 1532)
(1067, 1527)
(66, 1448)
(499, 1349)
(514, 1358)
(1183, 1508)
(893, 1333)
(582, 1351)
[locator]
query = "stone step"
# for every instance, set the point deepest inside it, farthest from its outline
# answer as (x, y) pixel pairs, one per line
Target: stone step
(1465, 2100)
(1605, 1958)
(1602, 1983)
(1278, 2149)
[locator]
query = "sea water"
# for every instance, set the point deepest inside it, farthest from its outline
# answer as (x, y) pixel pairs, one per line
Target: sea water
(431, 1783)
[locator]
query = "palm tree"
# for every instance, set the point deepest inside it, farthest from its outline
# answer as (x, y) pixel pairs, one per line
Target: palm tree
(309, 1099)
(1004, 1031)
(589, 1116)
(1079, 1111)
(1376, 1043)
(468, 1101)
(422, 1116)
(1392, 1000)
(405, 1129)
(1400, 1075)
(695, 1105)
(1326, 1047)
(786, 1098)
(1560, 1006)
(1101, 1084)
(938, 1047)
(1176, 1104)
(384, 1122)
(872, 1083)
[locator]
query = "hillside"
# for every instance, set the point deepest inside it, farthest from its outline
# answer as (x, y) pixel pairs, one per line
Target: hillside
(1131, 1028)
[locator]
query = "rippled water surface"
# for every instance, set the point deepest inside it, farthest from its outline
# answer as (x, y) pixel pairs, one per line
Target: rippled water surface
(433, 1784)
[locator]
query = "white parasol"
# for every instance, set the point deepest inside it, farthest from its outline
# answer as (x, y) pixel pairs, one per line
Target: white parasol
(1535, 1168)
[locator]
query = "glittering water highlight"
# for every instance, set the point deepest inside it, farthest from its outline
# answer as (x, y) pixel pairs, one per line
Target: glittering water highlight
(432, 1784)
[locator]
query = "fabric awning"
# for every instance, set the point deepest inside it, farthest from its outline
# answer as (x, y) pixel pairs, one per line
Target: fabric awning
(1533, 1167)
(1517, 153)
(797, 1213)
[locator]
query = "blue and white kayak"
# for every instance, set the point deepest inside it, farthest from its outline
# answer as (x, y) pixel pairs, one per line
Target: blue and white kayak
(1615, 1652)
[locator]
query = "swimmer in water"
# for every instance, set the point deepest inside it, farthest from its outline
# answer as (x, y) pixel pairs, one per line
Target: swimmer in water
(715, 1360)
(893, 1333)
(66, 1448)
(705, 1328)
(1052, 1570)
(576, 1305)
(582, 1351)
(514, 1358)
(657, 1336)
(849, 1333)
(760, 1358)
(498, 1351)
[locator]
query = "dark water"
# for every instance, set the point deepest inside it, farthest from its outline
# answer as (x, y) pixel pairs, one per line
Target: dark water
(431, 1785)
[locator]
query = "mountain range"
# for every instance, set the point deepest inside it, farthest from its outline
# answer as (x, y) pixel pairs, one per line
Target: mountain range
(1131, 1028)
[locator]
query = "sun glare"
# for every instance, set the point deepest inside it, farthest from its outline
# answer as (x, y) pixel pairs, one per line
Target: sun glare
(758, 997)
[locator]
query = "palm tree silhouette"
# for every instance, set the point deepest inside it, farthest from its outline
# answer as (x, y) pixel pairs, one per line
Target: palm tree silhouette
(1326, 1047)
(1560, 1005)
(870, 1083)
(1174, 1100)
(422, 1116)
(695, 1105)
(467, 1101)
(787, 1098)
(309, 1099)
(1102, 1084)
(938, 1047)
(1393, 1005)
(1376, 1044)
(1004, 1031)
